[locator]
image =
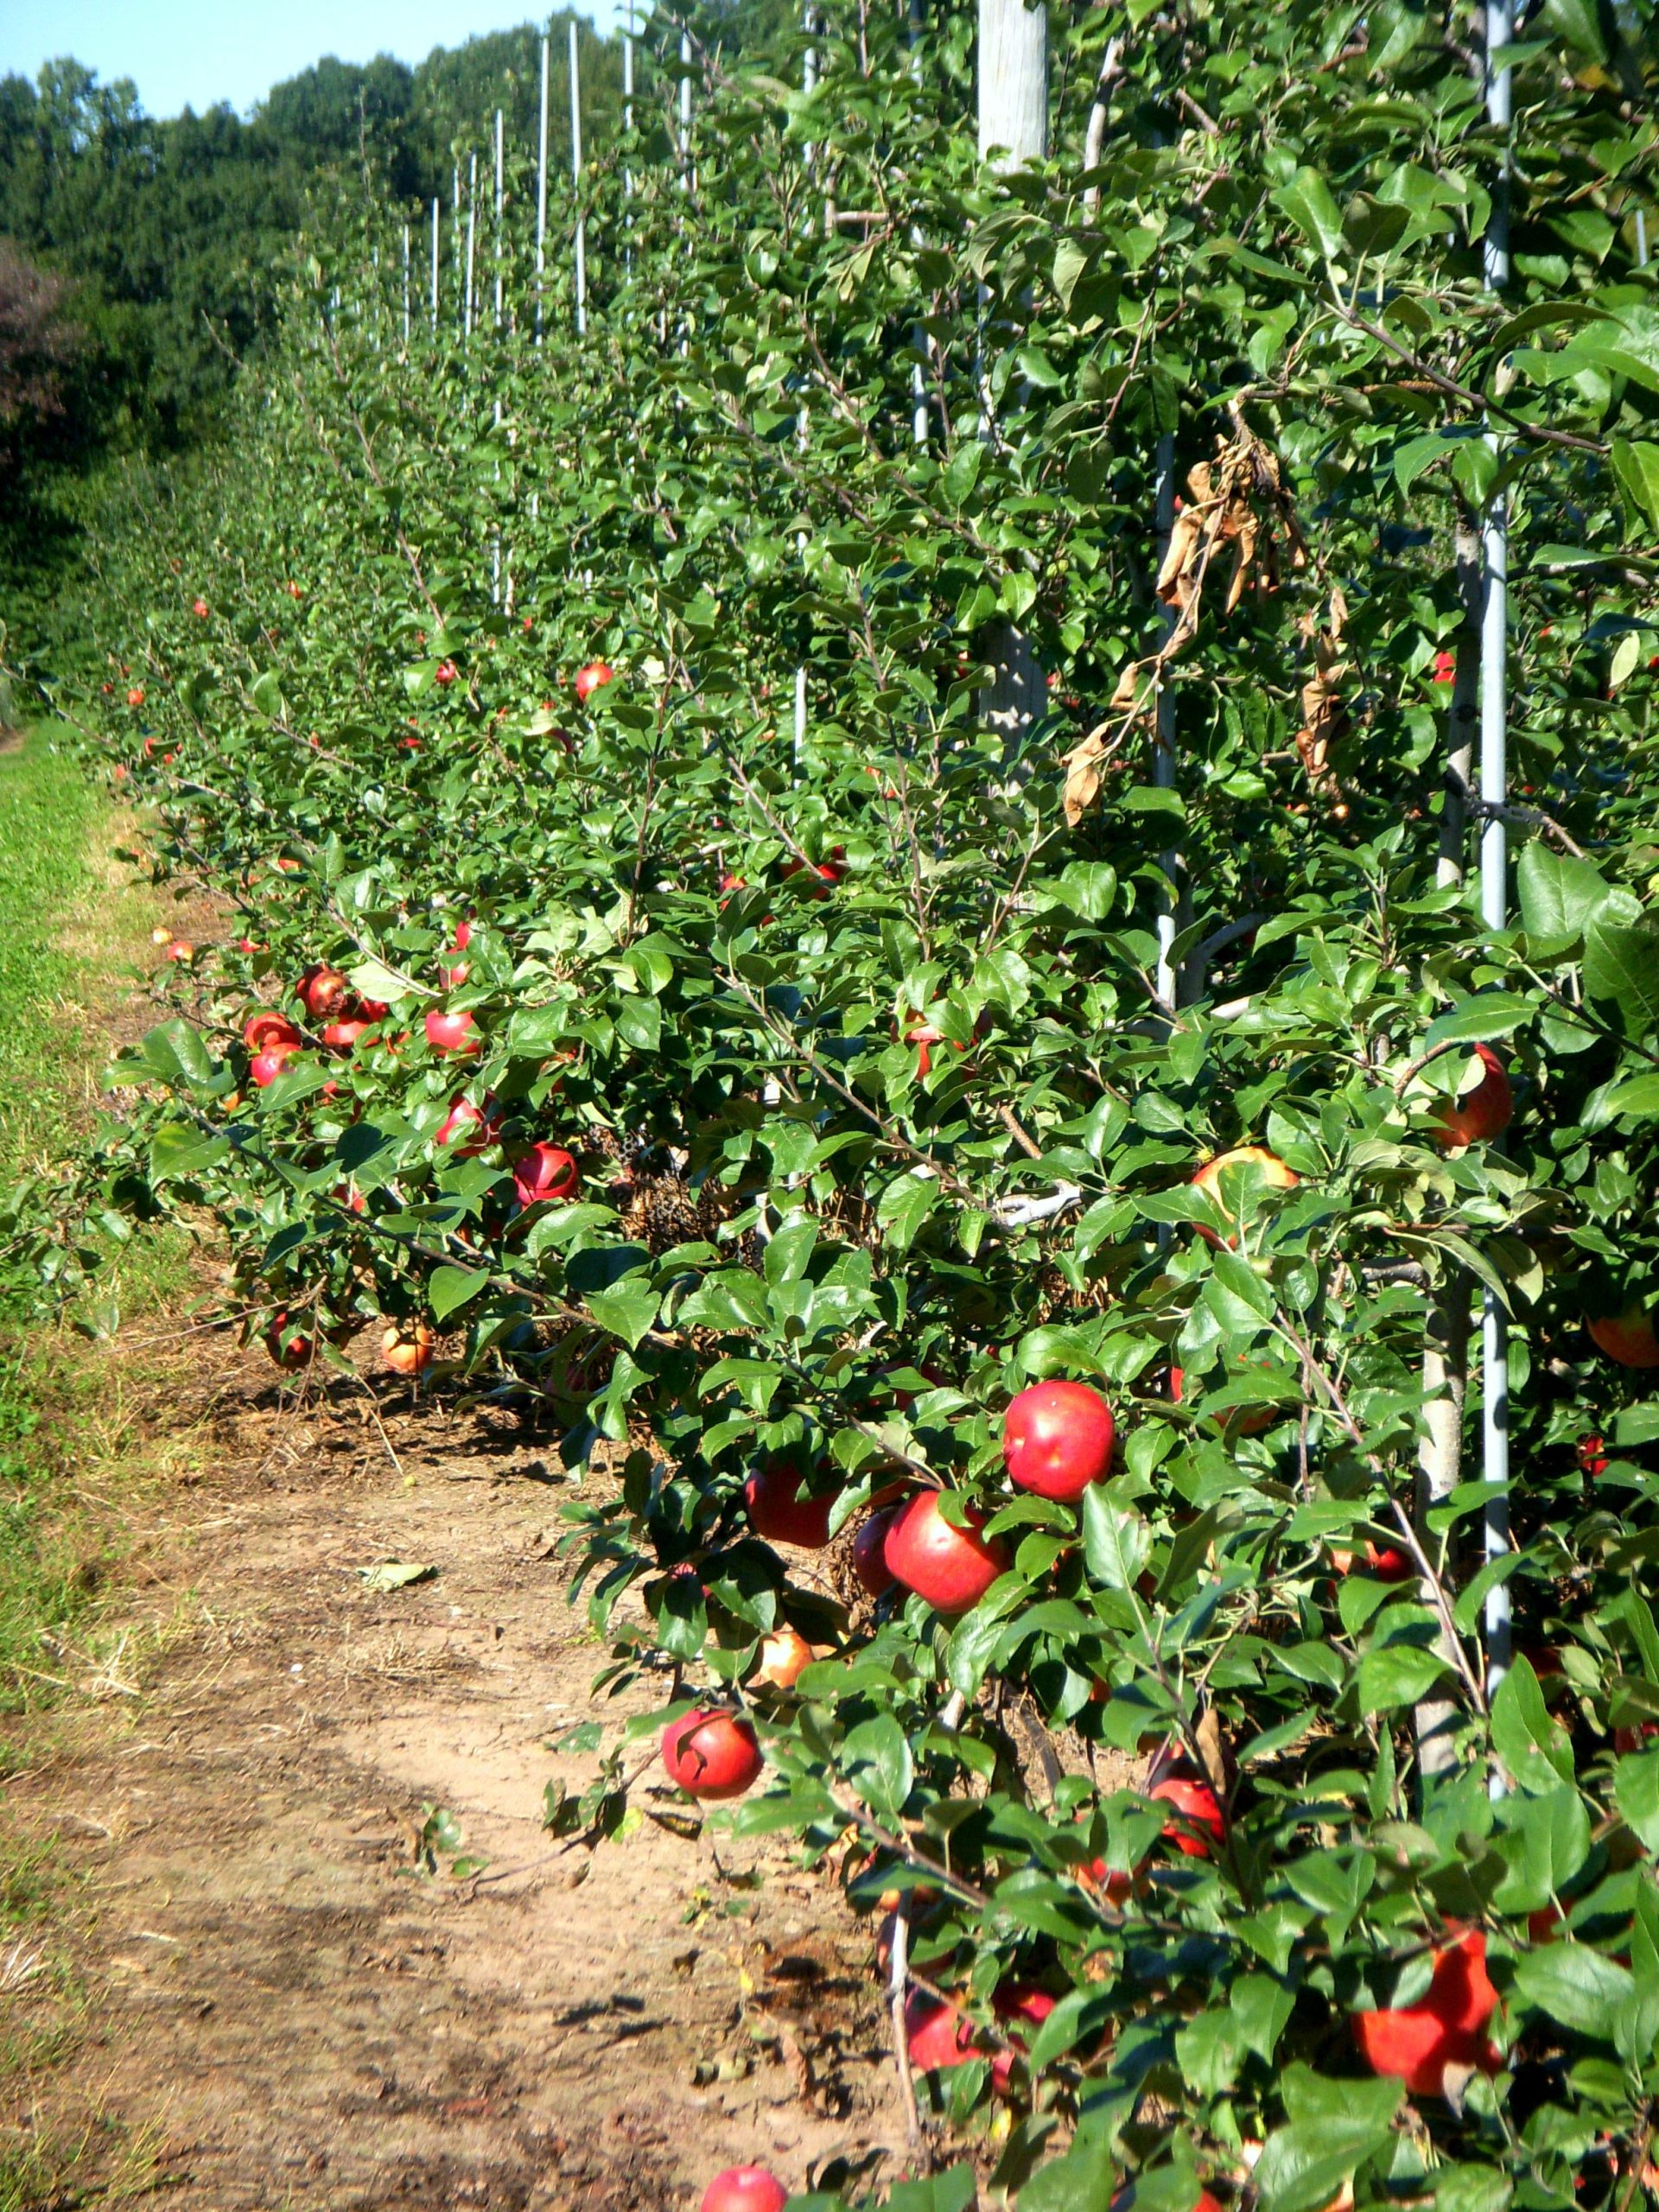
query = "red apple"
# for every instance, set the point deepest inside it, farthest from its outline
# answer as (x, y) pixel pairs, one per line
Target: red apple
(267, 1065)
(777, 1513)
(268, 1027)
(445, 673)
(936, 2035)
(1416, 2043)
(1270, 1168)
(408, 1350)
(546, 1171)
(1483, 1112)
(323, 992)
(590, 679)
(299, 1350)
(1592, 1455)
(200, 610)
(452, 1033)
(181, 950)
(828, 872)
(952, 1568)
(1628, 1337)
(136, 697)
(711, 1753)
(745, 2189)
(485, 1121)
(342, 1036)
(869, 1558)
(1386, 1561)
(1014, 2002)
(1057, 1438)
(1197, 1803)
(785, 1655)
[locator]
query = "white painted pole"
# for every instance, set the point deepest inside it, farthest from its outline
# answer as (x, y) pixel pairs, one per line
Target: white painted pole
(472, 239)
(575, 179)
(501, 202)
(627, 92)
(1494, 866)
(435, 264)
(1163, 748)
(685, 109)
(917, 378)
(541, 199)
(809, 83)
(406, 254)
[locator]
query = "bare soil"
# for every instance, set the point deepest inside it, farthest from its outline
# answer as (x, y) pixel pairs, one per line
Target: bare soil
(283, 2009)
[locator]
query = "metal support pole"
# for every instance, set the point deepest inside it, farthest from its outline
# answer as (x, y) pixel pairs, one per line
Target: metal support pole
(472, 241)
(1494, 861)
(435, 264)
(541, 199)
(685, 109)
(627, 92)
(406, 245)
(919, 335)
(575, 179)
(809, 83)
(500, 201)
(1163, 750)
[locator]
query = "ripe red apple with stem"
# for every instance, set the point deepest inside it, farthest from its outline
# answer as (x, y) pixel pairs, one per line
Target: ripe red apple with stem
(776, 1512)
(445, 674)
(1058, 1438)
(951, 1567)
(711, 1753)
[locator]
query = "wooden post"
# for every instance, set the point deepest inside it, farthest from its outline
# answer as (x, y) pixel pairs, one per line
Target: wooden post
(575, 179)
(1012, 131)
(541, 199)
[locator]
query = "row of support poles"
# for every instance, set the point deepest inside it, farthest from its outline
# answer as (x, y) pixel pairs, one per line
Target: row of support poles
(576, 179)
(541, 199)
(1494, 857)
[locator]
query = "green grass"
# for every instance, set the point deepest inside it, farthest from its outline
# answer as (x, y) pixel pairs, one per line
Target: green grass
(47, 811)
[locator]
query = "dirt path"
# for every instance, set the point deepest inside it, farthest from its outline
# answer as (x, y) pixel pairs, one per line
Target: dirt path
(280, 2011)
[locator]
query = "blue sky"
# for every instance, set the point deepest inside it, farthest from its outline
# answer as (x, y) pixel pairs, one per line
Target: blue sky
(193, 52)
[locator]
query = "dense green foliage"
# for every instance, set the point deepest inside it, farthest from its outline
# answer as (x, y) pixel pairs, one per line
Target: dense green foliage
(698, 953)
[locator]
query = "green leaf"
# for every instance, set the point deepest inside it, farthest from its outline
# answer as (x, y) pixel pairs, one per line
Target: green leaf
(1574, 1986)
(1636, 1793)
(1476, 1020)
(1637, 467)
(1534, 1748)
(1621, 962)
(876, 1757)
(178, 1149)
(451, 1287)
(629, 1310)
(1637, 1097)
(1397, 1675)
(1116, 1544)
(1559, 895)
(1306, 200)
